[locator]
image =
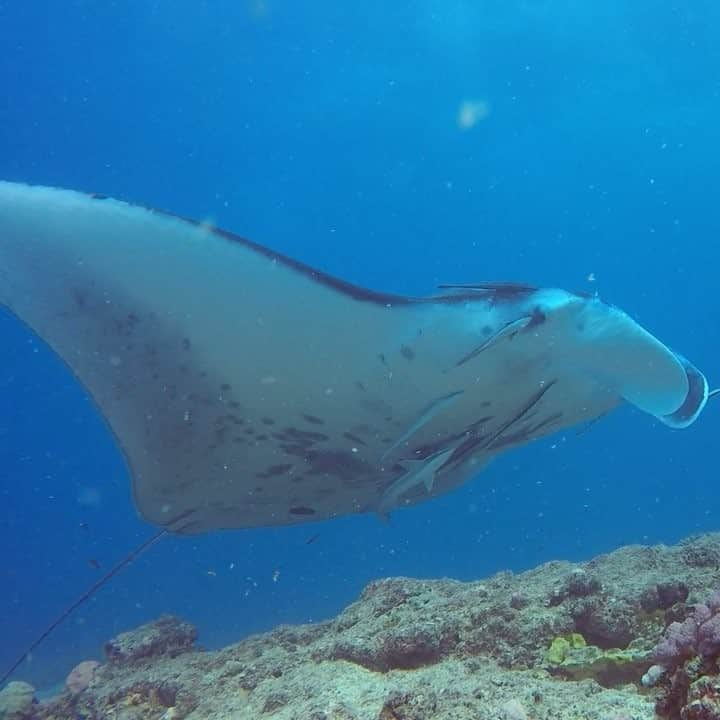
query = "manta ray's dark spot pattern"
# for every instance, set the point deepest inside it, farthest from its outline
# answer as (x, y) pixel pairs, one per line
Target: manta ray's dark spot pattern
(312, 419)
(299, 451)
(301, 437)
(301, 510)
(274, 471)
(346, 466)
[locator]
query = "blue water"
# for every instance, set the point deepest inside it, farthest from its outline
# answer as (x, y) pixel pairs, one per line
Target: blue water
(330, 131)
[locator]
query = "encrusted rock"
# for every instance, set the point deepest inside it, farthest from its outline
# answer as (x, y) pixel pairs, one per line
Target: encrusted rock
(409, 706)
(607, 622)
(166, 636)
(663, 595)
(701, 551)
(81, 676)
(16, 700)
(518, 601)
(275, 701)
(577, 584)
(703, 700)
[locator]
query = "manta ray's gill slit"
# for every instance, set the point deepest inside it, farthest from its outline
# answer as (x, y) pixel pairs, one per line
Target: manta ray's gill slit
(507, 331)
(522, 414)
(354, 438)
(474, 441)
(523, 434)
(478, 441)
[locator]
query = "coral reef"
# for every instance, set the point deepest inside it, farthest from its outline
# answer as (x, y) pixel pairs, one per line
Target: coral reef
(687, 668)
(560, 642)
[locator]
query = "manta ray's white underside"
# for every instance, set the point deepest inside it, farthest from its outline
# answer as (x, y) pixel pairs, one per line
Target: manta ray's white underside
(247, 389)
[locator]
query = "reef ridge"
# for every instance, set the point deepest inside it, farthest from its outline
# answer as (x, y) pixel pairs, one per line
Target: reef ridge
(563, 641)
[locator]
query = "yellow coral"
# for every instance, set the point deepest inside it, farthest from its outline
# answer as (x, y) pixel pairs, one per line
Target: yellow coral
(559, 647)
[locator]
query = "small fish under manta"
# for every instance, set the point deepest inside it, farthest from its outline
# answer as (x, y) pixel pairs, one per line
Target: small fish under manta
(247, 389)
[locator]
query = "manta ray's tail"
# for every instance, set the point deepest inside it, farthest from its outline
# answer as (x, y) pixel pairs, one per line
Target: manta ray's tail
(132, 555)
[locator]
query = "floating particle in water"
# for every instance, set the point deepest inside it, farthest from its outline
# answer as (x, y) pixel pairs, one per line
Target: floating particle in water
(471, 112)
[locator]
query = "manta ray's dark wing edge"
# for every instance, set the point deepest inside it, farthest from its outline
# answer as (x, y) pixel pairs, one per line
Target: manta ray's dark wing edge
(499, 290)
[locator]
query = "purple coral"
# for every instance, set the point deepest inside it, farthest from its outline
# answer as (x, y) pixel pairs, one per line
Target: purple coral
(698, 634)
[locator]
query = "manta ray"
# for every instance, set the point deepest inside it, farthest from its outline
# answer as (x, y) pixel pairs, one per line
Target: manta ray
(245, 388)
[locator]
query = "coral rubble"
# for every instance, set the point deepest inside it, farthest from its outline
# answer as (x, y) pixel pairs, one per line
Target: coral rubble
(560, 642)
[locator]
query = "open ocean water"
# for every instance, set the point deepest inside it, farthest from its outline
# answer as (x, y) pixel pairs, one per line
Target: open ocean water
(397, 145)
